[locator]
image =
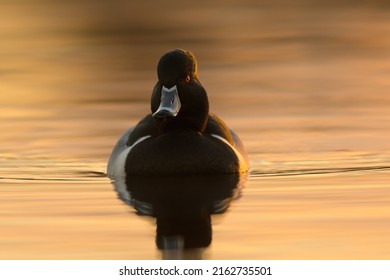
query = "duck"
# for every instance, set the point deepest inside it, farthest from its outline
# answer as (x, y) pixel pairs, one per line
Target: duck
(179, 136)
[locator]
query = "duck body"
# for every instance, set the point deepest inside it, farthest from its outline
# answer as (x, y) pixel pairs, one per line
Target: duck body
(179, 136)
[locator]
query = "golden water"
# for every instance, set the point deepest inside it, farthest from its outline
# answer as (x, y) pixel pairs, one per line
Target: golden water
(306, 86)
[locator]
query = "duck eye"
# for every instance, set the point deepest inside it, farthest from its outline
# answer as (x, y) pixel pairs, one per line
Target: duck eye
(187, 80)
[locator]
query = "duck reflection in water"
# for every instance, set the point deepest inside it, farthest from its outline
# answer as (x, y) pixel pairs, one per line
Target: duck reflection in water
(182, 206)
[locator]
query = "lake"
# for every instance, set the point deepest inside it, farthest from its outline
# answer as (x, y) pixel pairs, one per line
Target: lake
(306, 86)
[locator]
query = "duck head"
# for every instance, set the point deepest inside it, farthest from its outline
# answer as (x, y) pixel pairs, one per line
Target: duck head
(179, 101)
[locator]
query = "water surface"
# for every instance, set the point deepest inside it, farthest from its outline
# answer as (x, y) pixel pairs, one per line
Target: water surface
(304, 85)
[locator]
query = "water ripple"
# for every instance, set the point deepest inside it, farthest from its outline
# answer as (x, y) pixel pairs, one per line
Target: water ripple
(37, 169)
(316, 171)
(22, 169)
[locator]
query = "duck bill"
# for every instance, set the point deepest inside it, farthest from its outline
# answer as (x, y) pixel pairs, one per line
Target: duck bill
(169, 103)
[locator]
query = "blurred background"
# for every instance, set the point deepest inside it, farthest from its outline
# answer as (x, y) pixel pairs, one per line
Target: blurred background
(277, 65)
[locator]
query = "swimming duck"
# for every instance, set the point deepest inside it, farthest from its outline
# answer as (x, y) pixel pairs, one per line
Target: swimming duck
(179, 136)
